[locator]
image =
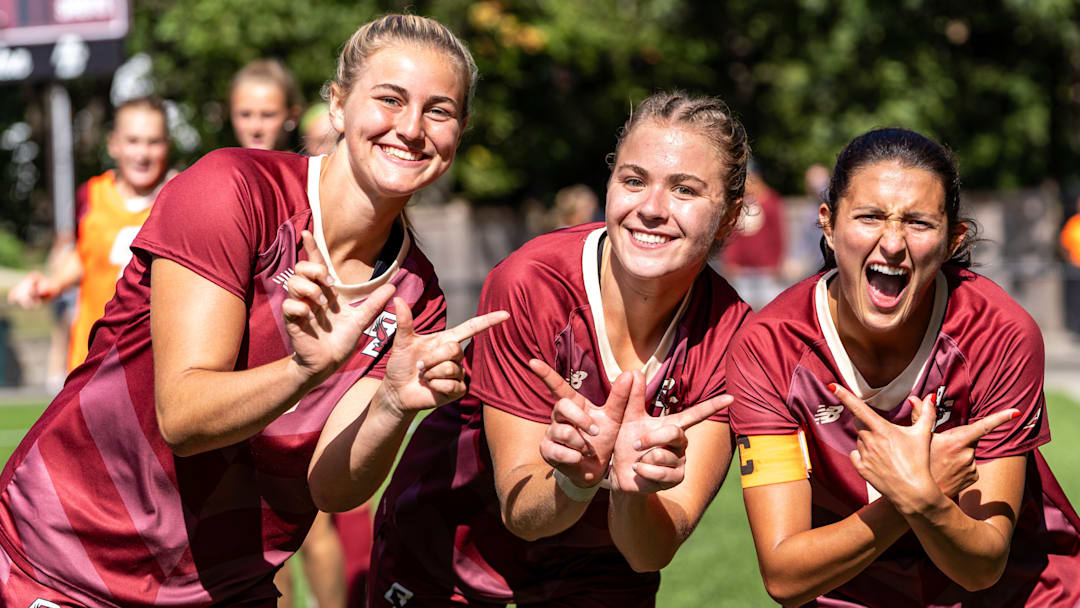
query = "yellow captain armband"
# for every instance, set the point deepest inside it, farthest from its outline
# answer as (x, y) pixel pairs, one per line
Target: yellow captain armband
(767, 459)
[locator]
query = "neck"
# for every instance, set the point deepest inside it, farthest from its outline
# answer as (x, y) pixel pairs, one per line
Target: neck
(127, 190)
(355, 223)
(637, 312)
(879, 356)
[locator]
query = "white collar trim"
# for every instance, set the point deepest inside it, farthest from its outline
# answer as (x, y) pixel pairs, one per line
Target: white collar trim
(353, 290)
(591, 274)
(890, 395)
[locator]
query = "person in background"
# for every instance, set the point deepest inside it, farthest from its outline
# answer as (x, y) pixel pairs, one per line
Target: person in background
(752, 260)
(316, 130)
(109, 210)
(575, 205)
(264, 104)
(1070, 245)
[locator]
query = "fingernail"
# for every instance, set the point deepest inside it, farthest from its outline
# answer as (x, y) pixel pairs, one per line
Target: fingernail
(832, 387)
(1015, 415)
(323, 300)
(637, 444)
(420, 365)
(594, 430)
(634, 467)
(913, 400)
(933, 398)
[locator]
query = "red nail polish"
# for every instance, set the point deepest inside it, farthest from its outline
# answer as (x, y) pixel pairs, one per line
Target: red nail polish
(831, 386)
(933, 398)
(1015, 415)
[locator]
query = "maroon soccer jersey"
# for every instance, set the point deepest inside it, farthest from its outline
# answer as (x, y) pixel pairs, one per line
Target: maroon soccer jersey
(95, 505)
(982, 353)
(441, 512)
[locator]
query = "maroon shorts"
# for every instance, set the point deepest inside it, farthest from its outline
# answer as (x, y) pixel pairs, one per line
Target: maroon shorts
(396, 580)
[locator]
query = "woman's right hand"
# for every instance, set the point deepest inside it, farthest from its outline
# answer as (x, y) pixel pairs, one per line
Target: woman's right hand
(323, 327)
(580, 440)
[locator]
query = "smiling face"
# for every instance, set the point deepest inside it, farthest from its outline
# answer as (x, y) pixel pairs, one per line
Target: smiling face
(890, 235)
(139, 145)
(258, 110)
(402, 120)
(665, 202)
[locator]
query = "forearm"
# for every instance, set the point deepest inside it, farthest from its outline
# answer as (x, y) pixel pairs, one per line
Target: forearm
(349, 466)
(533, 505)
(815, 561)
(200, 410)
(648, 528)
(971, 552)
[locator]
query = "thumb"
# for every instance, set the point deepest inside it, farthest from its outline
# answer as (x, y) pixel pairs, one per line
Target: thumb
(927, 413)
(405, 330)
(372, 305)
(618, 398)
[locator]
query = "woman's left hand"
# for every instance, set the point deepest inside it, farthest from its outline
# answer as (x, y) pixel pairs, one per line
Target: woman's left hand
(650, 452)
(425, 371)
(894, 459)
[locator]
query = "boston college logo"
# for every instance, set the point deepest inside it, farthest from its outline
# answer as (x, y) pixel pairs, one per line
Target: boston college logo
(380, 331)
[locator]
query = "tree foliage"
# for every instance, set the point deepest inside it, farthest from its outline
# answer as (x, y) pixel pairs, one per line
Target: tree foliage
(998, 81)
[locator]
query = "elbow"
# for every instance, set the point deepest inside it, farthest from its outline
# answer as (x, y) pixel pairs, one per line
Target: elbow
(179, 440)
(983, 579)
(643, 564)
(785, 593)
(524, 532)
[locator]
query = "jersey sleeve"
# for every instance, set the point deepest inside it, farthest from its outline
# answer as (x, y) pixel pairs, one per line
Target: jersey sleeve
(206, 220)
(725, 313)
(499, 367)
(1010, 375)
(757, 381)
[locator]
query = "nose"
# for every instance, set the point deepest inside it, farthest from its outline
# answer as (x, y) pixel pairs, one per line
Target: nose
(654, 207)
(410, 125)
(893, 241)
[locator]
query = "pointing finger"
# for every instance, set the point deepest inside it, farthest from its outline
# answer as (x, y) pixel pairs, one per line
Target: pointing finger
(373, 305)
(927, 412)
(701, 411)
(972, 432)
(621, 393)
(405, 330)
(554, 382)
(476, 325)
(311, 249)
(860, 410)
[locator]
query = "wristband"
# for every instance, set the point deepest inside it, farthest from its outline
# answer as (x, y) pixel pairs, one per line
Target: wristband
(573, 491)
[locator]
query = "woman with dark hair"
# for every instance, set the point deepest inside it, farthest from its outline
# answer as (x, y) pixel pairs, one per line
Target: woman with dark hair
(888, 409)
(590, 441)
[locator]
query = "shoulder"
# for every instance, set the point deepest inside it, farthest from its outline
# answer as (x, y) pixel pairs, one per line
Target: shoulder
(240, 163)
(784, 328)
(715, 306)
(550, 259)
(980, 312)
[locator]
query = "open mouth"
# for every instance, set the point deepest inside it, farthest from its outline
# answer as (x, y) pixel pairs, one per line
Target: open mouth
(887, 284)
(400, 154)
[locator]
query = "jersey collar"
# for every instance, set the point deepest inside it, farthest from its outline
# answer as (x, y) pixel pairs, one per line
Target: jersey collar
(887, 397)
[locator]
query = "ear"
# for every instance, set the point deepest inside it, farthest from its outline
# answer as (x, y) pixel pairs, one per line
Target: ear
(112, 146)
(824, 217)
(959, 231)
(730, 219)
(337, 108)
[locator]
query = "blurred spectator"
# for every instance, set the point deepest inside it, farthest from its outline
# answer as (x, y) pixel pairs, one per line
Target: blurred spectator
(319, 136)
(1070, 242)
(575, 205)
(752, 259)
(110, 209)
(803, 252)
(264, 104)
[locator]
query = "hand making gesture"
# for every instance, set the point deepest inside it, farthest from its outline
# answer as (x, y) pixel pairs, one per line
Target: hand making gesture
(650, 451)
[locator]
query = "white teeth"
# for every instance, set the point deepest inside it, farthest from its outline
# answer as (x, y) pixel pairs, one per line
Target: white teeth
(402, 154)
(649, 239)
(889, 270)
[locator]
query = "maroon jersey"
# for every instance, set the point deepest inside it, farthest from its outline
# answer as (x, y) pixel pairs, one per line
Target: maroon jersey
(441, 510)
(982, 353)
(93, 502)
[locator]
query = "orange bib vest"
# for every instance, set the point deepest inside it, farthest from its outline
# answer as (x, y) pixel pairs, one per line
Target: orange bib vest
(106, 231)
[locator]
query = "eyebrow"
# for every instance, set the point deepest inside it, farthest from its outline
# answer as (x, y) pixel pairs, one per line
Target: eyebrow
(907, 214)
(673, 178)
(405, 93)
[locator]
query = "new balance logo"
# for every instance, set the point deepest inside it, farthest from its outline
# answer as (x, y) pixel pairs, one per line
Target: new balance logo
(40, 603)
(576, 378)
(398, 596)
(1034, 421)
(282, 278)
(381, 330)
(828, 413)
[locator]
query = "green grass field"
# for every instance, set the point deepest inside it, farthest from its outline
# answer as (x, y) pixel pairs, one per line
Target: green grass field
(717, 566)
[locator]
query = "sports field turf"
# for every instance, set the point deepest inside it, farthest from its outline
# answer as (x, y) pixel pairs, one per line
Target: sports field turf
(717, 566)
